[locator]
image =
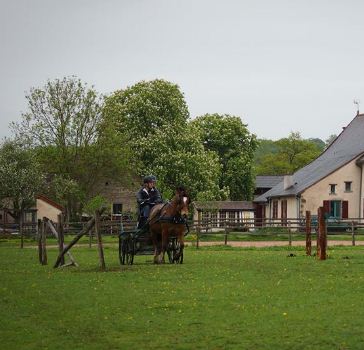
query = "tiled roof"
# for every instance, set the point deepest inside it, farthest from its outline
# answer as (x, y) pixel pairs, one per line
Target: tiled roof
(346, 147)
(225, 205)
(267, 181)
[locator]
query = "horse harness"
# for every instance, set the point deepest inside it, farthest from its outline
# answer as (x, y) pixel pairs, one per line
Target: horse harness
(170, 219)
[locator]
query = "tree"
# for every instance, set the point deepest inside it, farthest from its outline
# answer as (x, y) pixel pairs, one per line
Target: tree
(293, 153)
(72, 139)
(330, 140)
(177, 156)
(141, 110)
(20, 178)
(153, 117)
(231, 140)
(318, 142)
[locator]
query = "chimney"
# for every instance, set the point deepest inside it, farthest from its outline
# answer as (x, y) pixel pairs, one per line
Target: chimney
(287, 181)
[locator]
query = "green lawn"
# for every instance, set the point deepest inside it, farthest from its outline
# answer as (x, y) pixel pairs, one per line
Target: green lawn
(221, 298)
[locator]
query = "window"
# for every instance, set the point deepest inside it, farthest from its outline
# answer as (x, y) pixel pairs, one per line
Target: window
(348, 186)
(332, 188)
(335, 209)
(214, 218)
(117, 208)
(29, 216)
(275, 210)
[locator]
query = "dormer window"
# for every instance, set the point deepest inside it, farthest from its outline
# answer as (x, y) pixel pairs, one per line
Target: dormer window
(332, 188)
(348, 186)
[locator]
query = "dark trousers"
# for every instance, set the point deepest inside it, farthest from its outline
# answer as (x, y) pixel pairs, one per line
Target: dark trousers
(143, 216)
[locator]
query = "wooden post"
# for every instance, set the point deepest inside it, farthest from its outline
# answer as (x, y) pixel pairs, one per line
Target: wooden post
(322, 234)
(353, 233)
(289, 234)
(90, 239)
(226, 235)
(39, 236)
(4, 221)
(60, 237)
(308, 233)
(198, 231)
(99, 240)
(21, 228)
(88, 227)
(44, 242)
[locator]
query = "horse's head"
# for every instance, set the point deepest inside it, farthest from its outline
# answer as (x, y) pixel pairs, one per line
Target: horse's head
(183, 201)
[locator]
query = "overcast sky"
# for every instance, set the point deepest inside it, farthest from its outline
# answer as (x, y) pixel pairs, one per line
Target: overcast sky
(280, 65)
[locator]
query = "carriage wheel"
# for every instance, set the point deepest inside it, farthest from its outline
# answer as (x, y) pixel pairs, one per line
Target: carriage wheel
(130, 251)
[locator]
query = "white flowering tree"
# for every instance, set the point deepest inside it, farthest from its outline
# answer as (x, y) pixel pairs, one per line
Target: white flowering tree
(20, 178)
(153, 117)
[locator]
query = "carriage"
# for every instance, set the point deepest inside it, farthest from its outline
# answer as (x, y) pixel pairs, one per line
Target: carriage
(163, 232)
(138, 242)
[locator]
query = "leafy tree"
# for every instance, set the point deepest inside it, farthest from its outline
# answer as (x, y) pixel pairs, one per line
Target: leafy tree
(64, 123)
(153, 117)
(20, 178)
(293, 153)
(231, 140)
(68, 193)
(142, 109)
(177, 156)
(318, 142)
(96, 203)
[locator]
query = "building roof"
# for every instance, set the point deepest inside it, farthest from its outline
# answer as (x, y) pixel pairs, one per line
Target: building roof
(50, 202)
(267, 181)
(224, 205)
(346, 147)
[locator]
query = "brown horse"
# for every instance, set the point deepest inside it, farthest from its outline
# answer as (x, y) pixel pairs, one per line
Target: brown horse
(169, 220)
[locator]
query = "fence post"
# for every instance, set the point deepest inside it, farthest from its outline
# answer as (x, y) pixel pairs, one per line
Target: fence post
(60, 236)
(353, 233)
(44, 241)
(289, 234)
(226, 233)
(90, 239)
(39, 234)
(308, 233)
(322, 234)
(99, 240)
(21, 228)
(198, 233)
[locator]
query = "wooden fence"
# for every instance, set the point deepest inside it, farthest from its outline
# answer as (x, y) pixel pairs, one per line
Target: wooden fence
(201, 228)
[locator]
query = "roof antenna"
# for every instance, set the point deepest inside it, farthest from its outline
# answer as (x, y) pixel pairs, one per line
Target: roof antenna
(357, 103)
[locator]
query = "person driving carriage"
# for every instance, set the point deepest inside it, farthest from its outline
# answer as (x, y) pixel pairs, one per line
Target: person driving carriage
(147, 197)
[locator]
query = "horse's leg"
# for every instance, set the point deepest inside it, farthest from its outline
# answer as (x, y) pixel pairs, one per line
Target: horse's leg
(164, 245)
(154, 237)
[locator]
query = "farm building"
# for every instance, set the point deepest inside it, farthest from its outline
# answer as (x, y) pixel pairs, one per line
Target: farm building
(334, 180)
(44, 207)
(220, 211)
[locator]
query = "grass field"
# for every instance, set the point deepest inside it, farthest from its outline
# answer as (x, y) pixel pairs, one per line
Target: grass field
(220, 298)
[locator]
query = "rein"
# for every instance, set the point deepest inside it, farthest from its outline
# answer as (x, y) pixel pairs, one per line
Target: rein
(178, 220)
